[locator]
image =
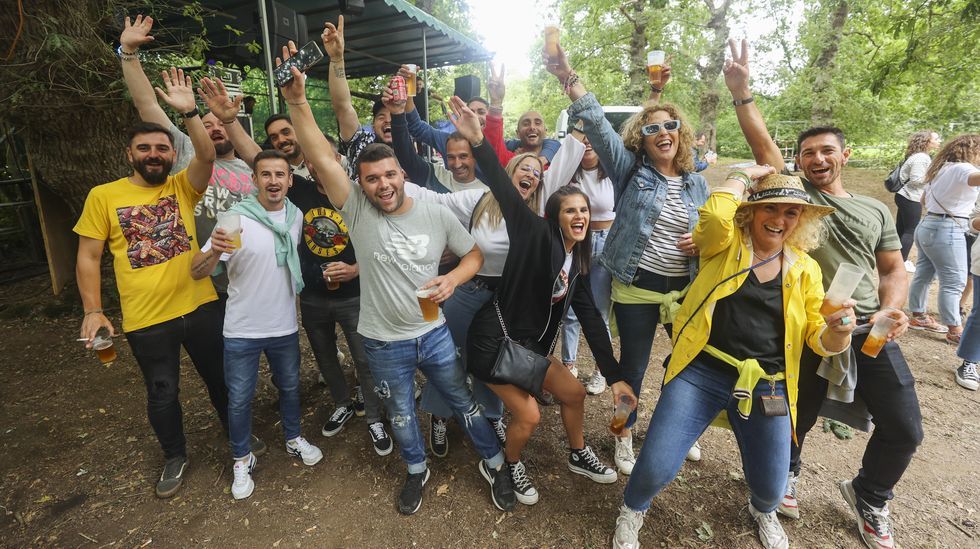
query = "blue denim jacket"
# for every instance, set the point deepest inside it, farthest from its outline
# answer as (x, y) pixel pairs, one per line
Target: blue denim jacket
(639, 200)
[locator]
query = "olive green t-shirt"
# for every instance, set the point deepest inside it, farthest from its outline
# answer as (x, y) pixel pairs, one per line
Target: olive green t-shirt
(860, 227)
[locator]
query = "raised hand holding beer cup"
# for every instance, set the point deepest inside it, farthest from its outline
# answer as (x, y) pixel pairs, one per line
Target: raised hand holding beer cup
(624, 401)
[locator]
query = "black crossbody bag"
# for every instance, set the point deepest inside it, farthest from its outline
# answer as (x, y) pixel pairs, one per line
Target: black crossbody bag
(516, 364)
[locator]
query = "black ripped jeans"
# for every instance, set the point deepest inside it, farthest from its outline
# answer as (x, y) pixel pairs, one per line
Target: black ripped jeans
(157, 351)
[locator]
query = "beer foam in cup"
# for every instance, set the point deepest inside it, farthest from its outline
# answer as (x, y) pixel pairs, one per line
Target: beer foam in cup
(656, 57)
(423, 293)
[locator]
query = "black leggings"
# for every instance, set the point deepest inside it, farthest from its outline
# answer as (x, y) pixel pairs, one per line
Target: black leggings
(909, 214)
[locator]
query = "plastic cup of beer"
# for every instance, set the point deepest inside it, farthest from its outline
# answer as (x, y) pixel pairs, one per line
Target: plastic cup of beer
(430, 309)
(231, 224)
(655, 64)
(846, 280)
(876, 338)
(102, 345)
(331, 284)
(411, 80)
(551, 33)
(623, 408)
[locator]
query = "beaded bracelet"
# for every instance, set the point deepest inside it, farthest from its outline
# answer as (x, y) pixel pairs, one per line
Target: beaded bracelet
(570, 81)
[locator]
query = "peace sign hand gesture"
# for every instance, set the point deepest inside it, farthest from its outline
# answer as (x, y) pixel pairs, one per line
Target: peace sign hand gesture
(136, 34)
(496, 87)
(333, 39)
(736, 69)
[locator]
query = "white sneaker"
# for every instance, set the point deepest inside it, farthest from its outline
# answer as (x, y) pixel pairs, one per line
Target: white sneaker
(572, 369)
(694, 454)
(298, 447)
(789, 506)
(909, 266)
(242, 485)
(628, 525)
(624, 457)
(596, 384)
(340, 357)
(771, 533)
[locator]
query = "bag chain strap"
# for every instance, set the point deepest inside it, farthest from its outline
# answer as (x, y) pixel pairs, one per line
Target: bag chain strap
(500, 317)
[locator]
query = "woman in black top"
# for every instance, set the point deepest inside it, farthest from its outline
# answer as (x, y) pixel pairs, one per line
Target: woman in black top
(548, 257)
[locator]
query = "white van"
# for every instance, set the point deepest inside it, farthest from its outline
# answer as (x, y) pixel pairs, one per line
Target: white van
(615, 114)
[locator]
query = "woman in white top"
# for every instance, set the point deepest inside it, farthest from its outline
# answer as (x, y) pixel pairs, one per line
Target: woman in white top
(577, 164)
(909, 198)
(952, 187)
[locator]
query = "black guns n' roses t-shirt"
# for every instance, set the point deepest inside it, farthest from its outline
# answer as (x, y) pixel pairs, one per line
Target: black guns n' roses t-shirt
(324, 239)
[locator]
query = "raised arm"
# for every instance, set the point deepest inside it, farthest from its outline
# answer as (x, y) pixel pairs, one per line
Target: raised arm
(419, 171)
(736, 71)
(494, 131)
(213, 92)
(716, 226)
(333, 45)
(179, 94)
(135, 35)
(516, 213)
(657, 88)
(316, 148)
(607, 144)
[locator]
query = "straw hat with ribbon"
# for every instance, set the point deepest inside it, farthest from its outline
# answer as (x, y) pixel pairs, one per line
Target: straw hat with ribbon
(783, 189)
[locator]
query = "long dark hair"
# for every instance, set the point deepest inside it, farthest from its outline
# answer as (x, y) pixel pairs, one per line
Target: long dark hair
(581, 251)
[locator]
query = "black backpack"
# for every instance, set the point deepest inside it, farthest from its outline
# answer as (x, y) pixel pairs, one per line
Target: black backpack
(894, 182)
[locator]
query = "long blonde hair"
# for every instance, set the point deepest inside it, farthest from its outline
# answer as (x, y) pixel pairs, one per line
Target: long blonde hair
(965, 148)
(807, 235)
(633, 138)
(488, 205)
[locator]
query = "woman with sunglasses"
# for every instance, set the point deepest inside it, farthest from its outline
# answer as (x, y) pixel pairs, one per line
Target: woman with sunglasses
(737, 344)
(649, 250)
(545, 272)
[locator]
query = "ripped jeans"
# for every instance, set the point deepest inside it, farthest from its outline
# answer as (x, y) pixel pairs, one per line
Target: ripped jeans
(393, 364)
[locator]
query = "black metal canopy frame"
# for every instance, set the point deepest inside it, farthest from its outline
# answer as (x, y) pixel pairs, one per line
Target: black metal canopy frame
(387, 34)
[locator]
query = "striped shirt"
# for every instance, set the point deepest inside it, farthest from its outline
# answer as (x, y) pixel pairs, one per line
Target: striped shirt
(661, 255)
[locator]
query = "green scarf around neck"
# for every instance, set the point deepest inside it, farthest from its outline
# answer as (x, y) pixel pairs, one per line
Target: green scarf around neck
(286, 252)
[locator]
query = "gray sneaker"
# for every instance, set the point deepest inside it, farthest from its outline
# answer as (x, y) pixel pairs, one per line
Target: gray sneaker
(172, 477)
(967, 376)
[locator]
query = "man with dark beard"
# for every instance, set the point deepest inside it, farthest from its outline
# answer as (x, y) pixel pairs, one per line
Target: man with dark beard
(145, 218)
(231, 178)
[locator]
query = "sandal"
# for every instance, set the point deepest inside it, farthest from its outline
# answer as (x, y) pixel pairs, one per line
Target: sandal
(954, 338)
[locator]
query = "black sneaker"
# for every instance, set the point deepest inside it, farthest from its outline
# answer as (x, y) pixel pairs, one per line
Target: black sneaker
(438, 437)
(524, 491)
(585, 462)
(501, 489)
(380, 439)
(499, 429)
(337, 420)
(358, 402)
(258, 447)
(873, 524)
(410, 499)
(172, 477)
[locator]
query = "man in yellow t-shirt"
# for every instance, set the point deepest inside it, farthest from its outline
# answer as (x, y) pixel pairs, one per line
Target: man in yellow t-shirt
(147, 220)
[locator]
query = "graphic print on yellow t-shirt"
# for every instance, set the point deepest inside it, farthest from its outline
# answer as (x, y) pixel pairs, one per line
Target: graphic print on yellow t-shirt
(154, 233)
(325, 232)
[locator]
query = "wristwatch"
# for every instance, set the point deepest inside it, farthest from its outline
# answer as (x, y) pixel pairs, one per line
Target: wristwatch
(745, 101)
(192, 114)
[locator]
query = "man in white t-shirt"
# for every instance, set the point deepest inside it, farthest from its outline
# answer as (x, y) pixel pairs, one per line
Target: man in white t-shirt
(399, 243)
(264, 278)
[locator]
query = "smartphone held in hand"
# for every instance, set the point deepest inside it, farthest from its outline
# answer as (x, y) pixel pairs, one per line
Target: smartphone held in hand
(305, 58)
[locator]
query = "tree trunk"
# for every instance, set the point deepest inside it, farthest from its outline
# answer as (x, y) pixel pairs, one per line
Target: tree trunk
(634, 12)
(710, 97)
(425, 5)
(822, 110)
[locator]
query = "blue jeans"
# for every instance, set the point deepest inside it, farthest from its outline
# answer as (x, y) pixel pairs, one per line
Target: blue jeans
(942, 253)
(241, 374)
(687, 405)
(601, 282)
(459, 310)
(969, 348)
(393, 364)
(637, 326)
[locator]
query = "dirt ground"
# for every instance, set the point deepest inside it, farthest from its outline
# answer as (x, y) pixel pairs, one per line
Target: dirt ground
(79, 462)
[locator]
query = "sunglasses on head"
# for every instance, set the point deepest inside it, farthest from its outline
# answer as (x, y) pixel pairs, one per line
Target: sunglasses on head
(530, 170)
(654, 129)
